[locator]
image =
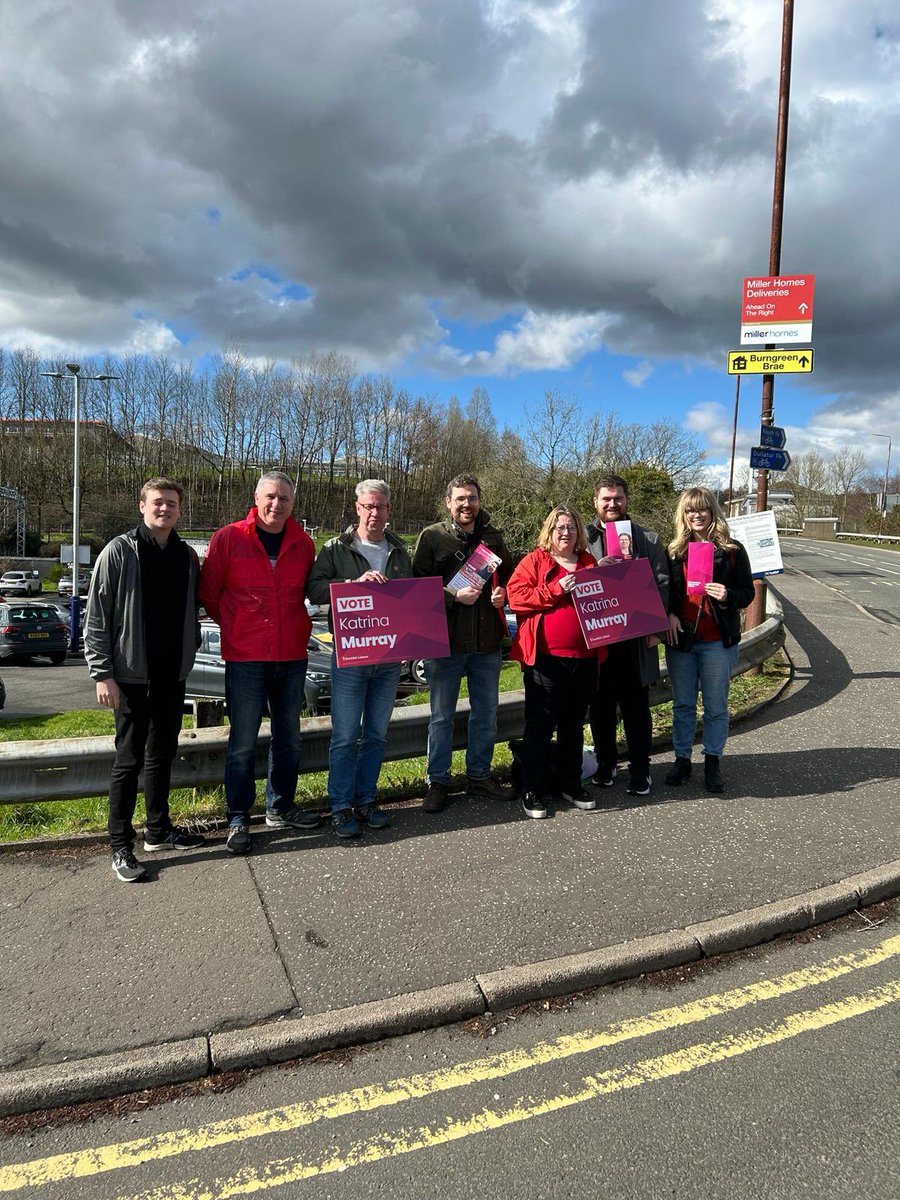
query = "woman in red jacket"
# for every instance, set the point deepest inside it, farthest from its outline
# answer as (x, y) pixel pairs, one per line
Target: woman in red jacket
(559, 670)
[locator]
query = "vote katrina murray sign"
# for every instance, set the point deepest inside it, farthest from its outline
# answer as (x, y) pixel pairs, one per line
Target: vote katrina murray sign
(389, 622)
(618, 601)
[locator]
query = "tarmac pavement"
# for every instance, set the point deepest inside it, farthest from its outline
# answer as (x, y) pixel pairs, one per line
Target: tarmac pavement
(219, 963)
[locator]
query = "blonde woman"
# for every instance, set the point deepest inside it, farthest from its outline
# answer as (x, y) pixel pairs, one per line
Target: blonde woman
(704, 632)
(560, 672)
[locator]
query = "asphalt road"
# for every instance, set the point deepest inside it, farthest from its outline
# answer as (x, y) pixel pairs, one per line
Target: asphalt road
(868, 576)
(765, 1075)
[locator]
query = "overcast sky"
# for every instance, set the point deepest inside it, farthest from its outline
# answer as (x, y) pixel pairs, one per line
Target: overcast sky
(512, 195)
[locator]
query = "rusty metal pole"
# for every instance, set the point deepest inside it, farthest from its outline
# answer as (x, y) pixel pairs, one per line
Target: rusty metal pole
(757, 610)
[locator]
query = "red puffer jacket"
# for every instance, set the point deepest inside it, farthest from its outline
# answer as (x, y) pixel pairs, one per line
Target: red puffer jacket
(260, 611)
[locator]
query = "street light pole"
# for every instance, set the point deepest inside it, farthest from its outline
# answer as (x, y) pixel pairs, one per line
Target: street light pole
(887, 469)
(74, 605)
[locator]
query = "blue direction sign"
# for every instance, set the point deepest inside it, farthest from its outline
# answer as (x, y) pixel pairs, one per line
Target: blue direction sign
(763, 459)
(772, 436)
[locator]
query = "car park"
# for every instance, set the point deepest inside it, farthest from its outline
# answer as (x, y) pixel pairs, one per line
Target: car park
(20, 583)
(207, 677)
(29, 629)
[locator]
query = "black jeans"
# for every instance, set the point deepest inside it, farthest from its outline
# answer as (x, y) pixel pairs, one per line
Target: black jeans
(557, 693)
(619, 686)
(148, 721)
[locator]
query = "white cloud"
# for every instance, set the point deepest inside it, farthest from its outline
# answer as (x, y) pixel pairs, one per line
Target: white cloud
(540, 342)
(638, 376)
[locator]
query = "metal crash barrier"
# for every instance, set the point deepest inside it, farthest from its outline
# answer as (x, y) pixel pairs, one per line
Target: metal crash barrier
(72, 768)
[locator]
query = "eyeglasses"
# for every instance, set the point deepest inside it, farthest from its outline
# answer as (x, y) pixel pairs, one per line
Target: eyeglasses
(697, 512)
(565, 529)
(374, 507)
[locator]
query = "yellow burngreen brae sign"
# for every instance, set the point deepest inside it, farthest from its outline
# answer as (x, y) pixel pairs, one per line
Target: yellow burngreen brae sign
(770, 362)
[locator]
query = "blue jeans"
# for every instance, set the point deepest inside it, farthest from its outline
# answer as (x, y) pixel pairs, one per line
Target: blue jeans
(444, 676)
(250, 689)
(362, 701)
(706, 667)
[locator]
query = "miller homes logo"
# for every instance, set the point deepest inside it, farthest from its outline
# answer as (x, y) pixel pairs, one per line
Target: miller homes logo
(355, 603)
(593, 587)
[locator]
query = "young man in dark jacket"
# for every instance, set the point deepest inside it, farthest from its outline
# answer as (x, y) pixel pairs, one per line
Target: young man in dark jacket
(477, 627)
(624, 678)
(362, 698)
(141, 634)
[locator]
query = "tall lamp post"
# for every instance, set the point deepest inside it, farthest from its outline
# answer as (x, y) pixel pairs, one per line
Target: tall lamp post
(887, 469)
(75, 608)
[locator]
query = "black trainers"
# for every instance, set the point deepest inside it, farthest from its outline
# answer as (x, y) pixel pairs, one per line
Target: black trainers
(604, 777)
(238, 839)
(175, 839)
(126, 866)
(292, 818)
(534, 806)
(435, 798)
(346, 823)
(580, 799)
(712, 775)
(372, 816)
(638, 785)
(679, 771)
(486, 789)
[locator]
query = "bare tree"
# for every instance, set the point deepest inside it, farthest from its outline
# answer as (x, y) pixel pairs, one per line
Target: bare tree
(845, 472)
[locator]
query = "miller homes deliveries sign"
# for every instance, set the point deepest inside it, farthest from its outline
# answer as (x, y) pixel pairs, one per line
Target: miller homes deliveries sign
(389, 622)
(618, 601)
(777, 309)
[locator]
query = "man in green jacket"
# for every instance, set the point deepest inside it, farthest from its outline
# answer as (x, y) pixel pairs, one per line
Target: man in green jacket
(476, 627)
(362, 698)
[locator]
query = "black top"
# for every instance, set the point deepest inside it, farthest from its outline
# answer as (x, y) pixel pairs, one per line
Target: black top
(164, 588)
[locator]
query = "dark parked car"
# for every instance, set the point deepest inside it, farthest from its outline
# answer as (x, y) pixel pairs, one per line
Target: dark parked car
(207, 677)
(28, 629)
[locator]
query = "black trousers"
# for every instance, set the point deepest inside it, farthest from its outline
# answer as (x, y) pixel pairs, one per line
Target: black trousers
(557, 693)
(148, 721)
(619, 687)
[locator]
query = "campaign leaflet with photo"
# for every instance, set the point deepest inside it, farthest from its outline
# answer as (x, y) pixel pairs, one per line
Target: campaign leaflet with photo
(476, 570)
(618, 601)
(619, 539)
(389, 622)
(699, 567)
(758, 535)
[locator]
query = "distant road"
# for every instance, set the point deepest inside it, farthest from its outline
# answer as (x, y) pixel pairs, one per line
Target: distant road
(868, 576)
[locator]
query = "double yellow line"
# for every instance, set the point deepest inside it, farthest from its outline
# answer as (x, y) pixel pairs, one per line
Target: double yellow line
(91, 1162)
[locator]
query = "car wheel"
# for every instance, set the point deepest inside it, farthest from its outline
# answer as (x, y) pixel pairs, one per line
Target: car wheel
(58, 658)
(417, 672)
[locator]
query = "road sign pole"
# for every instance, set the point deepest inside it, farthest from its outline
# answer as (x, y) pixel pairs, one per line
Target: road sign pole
(757, 610)
(737, 399)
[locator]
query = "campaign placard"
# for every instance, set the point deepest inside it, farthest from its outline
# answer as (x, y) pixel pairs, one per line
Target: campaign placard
(757, 534)
(699, 567)
(617, 602)
(389, 622)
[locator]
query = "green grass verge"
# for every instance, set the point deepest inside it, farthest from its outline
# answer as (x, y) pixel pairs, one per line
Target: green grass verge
(203, 807)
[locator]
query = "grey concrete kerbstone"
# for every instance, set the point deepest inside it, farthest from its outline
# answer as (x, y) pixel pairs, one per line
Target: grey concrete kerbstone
(826, 903)
(104, 1076)
(300, 1036)
(739, 930)
(556, 976)
(882, 883)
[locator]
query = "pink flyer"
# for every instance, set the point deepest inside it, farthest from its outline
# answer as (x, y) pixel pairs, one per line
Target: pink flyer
(699, 567)
(389, 622)
(478, 568)
(617, 602)
(618, 539)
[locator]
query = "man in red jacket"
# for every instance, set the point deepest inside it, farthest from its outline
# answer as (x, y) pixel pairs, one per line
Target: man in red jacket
(253, 584)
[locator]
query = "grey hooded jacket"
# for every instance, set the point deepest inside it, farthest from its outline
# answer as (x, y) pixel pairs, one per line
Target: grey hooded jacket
(114, 644)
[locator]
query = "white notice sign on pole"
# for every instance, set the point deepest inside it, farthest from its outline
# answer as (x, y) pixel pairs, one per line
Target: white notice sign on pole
(757, 534)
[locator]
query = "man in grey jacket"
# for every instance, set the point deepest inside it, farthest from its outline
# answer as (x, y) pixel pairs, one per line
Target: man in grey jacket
(141, 634)
(362, 698)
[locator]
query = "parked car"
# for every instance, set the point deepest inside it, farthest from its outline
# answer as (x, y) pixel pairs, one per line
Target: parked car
(207, 677)
(65, 613)
(29, 629)
(20, 583)
(64, 587)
